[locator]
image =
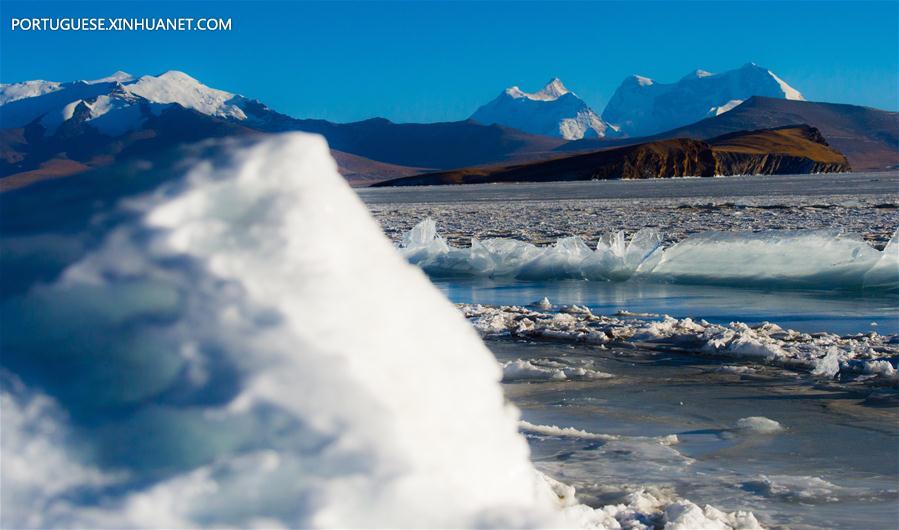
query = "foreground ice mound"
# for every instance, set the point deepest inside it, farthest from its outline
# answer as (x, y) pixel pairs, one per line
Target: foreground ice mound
(805, 259)
(203, 357)
(202, 366)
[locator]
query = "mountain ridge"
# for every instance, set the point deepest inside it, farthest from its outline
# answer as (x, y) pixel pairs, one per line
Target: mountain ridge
(784, 150)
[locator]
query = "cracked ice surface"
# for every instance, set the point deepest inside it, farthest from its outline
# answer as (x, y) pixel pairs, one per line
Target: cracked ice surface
(542, 222)
(865, 357)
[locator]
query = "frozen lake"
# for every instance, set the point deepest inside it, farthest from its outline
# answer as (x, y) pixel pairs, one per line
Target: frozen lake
(881, 183)
(834, 464)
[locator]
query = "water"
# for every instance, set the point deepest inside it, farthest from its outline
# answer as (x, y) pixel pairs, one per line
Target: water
(834, 466)
(809, 311)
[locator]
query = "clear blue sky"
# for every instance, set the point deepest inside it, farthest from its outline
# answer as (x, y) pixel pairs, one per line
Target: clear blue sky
(435, 61)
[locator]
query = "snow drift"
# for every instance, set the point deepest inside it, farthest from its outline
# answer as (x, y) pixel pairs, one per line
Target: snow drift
(206, 364)
(806, 259)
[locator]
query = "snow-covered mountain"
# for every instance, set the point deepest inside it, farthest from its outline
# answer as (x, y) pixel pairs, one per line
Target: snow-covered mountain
(119, 103)
(551, 111)
(643, 107)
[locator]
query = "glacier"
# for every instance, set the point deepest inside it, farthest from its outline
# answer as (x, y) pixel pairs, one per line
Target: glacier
(825, 259)
(220, 356)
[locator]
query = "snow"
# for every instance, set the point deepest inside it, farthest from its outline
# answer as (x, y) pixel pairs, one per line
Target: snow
(551, 111)
(553, 90)
(641, 107)
(117, 77)
(28, 89)
(799, 258)
(788, 91)
(118, 98)
(730, 105)
(178, 87)
(203, 366)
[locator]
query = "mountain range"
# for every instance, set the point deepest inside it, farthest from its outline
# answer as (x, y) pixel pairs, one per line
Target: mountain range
(642, 107)
(55, 129)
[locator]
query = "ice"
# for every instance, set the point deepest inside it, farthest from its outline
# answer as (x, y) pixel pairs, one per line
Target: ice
(826, 355)
(614, 258)
(884, 273)
(562, 432)
(795, 258)
(805, 489)
(759, 424)
(548, 370)
(242, 347)
(792, 258)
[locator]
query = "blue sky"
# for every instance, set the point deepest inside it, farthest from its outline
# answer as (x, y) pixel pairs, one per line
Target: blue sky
(436, 61)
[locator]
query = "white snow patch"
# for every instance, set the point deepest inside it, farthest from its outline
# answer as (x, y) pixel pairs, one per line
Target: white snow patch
(717, 111)
(789, 92)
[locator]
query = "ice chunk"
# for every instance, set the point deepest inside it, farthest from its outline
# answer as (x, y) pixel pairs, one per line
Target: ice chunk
(796, 258)
(614, 258)
(205, 351)
(759, 424)
(885, 272)
(804, 259)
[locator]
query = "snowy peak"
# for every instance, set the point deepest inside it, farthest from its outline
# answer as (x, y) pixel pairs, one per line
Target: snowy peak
(177, 87)
(639, 80)
(551, 92)
(118, 103)
(697, 74)
(117, 77)
(642, 107)
(551, 111)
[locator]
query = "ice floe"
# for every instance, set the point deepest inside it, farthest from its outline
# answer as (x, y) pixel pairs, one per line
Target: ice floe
(795, 258)
(871, 355)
